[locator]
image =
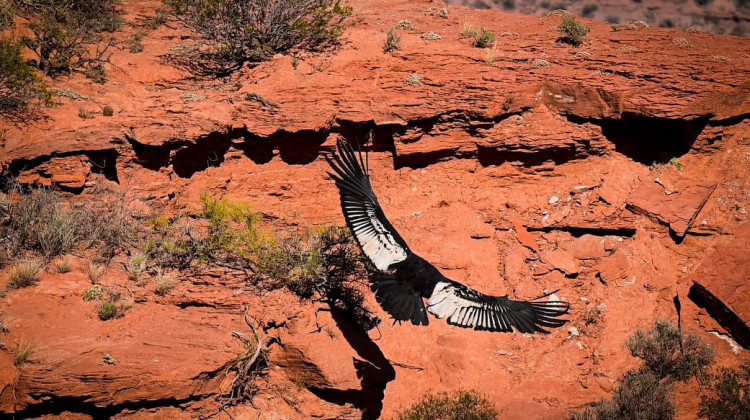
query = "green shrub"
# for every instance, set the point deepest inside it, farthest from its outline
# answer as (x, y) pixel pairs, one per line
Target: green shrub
(112, 309)
(24, 274)
(573, 32)
(458, 405)
(64, 31)
(484, 38)
(6, 15)
(21, 90)
(95, 292)
(668, 354)
(731, 395)
(242, 31)
(640, 395)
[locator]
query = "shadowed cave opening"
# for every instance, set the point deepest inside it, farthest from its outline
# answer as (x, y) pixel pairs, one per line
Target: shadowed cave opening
(647, 140)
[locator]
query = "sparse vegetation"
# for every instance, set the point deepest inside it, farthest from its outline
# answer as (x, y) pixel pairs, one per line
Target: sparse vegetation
(113, 308)
(63, 33)
(24, 274)
(644, 393)
(96, 73)
(250, 31)
(164, 283)
(573, 32)
(392, 41)
(95, 292)
(640, 396)
(40, 222)
(108, 111)
(468, 30)
(484, 38)
(682, 42)
(405, 25)
(21, 91)
(431, 36)
(413, 80)
(490, 55)
(95, 271)
(136, 268)
(24, 350)
(63, 264)
(7, 15)
(458, 405)
(731, 395)
(669, 355)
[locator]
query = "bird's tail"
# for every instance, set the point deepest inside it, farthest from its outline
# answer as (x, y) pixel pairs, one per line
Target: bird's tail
(399, 299)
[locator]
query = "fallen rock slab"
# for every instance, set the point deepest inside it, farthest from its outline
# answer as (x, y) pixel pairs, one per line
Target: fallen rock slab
(671, 199)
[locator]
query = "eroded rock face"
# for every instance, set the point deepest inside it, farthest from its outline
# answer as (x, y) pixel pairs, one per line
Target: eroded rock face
(513, 178)
(722, 284)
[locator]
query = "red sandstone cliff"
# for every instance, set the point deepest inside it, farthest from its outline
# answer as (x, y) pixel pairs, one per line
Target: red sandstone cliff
(530, 174)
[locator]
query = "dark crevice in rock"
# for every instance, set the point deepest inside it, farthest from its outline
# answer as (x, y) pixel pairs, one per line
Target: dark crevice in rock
(721, 313)
(56, 405)
(488, 156)
(104, 162)
(103, 158)
(647, 139)
(580, 231)
(423, 160)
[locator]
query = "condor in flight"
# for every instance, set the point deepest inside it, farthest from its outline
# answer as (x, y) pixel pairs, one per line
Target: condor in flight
(406, 278)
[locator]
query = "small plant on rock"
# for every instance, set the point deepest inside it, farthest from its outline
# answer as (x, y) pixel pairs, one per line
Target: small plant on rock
(573, 32)
(484, 38)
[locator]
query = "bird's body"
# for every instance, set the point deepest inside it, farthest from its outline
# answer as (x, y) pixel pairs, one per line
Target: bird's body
(406, 278)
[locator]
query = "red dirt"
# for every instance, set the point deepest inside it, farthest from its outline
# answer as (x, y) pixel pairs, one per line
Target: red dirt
(512, 178)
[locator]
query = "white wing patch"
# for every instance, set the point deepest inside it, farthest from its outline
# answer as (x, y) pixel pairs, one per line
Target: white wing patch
(446, 302)
(376, 241)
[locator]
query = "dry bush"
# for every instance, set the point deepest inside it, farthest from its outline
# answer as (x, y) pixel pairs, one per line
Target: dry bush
(24, 350)
(240, 31)
(63, 32)
(95, 271)
(164, 283)
(640, 395)
(392, 41)
(63, 264)
(458, 405)
(24, 274)
(730, 397)
(668, 354)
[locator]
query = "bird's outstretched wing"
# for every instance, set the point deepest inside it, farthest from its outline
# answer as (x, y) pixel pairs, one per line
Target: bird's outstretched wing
(379, 241)
(465, 307)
